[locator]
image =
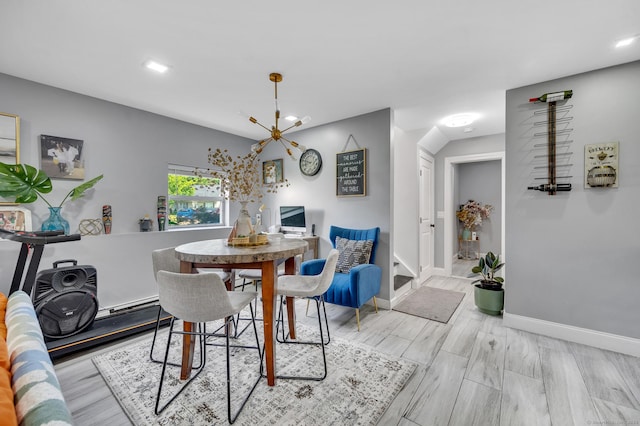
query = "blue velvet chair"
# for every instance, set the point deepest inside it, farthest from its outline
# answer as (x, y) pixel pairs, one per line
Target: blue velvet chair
(361, 284)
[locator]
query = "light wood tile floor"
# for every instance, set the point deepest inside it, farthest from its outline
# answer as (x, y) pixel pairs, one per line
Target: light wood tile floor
(471, 371)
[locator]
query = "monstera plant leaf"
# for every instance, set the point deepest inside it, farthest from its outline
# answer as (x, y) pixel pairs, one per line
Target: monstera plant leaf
(23, 182)
(78, 191)
(26, 184)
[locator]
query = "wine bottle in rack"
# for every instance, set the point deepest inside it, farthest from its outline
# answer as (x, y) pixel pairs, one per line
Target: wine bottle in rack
(552, 97)
(551, 187)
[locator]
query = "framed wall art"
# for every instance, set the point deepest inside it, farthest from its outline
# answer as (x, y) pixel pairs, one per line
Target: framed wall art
(272, 172)
(351, 173)
(62, 158)
(9, 138)
(9, 143)
(14, 218)
(601, 165)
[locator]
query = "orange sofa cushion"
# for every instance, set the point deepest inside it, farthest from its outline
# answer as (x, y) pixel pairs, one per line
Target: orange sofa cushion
(3, 310)
(7, 409)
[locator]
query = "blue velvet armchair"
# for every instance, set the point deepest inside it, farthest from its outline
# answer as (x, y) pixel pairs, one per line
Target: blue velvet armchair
(361, 284)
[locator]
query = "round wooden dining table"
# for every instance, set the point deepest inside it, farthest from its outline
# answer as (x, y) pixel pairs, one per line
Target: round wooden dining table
(219, 254)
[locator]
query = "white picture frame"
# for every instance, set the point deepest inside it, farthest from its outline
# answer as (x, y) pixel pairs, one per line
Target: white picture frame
(15, 218)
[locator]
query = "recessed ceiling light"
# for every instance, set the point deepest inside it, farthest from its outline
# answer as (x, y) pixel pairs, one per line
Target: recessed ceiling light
(291, 118)
(468, 129)
(156, 66)
(460, 120)
(626, 42)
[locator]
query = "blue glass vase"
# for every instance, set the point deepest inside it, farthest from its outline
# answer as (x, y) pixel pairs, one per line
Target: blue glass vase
(55, 222)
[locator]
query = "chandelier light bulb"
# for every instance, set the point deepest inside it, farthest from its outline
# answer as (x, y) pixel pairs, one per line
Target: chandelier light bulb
(301, 147)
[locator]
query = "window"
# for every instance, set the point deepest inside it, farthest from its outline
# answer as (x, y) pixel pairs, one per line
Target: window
(193, 200)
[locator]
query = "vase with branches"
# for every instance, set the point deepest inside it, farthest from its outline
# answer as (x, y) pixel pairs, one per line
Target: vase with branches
(472, 213)
(238, 179)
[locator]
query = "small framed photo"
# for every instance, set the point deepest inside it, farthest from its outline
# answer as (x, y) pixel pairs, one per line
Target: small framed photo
(62, 158)
(14, 218)
(272, 172)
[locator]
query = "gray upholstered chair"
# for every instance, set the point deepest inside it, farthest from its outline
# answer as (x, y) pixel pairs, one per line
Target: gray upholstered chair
(312, 287)
(199, 299)
(165, 260)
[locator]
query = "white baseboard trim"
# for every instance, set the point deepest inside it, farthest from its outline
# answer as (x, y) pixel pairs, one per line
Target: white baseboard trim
(598, 339)
(439, 272)
(382, 303)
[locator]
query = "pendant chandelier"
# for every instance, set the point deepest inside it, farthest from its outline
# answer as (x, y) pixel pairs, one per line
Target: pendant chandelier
(275, 133)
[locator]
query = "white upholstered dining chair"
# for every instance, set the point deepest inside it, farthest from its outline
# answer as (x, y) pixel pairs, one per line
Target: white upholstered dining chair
(312, 287)
(199, 299)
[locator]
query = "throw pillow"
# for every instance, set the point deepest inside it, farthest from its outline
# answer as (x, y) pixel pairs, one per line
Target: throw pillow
(352, 253)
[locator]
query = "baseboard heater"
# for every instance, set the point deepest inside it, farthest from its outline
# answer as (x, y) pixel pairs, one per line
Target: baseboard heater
(117, 325)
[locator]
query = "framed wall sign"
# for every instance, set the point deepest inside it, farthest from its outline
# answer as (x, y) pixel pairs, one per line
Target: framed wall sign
(62, 158)
(272, 172)
(351, 173)
(601, 165)
(9, 138)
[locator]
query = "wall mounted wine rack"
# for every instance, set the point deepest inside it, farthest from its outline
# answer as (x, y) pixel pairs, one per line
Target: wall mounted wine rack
(558, 133)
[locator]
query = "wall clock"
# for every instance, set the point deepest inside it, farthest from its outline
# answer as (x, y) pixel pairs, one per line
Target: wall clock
(310, 162)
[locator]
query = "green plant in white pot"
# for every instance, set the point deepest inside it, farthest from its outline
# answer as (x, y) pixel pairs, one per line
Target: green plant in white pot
(26, 184)
(488, 292)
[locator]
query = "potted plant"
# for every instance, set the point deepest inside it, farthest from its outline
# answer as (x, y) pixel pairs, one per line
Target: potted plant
(26, 184)
(488, 292)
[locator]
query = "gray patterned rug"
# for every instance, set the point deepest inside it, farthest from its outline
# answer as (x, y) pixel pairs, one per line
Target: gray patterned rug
(360, 385)
(431, 303)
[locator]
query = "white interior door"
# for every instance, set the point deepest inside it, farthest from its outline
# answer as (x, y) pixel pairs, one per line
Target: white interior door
(426, 220)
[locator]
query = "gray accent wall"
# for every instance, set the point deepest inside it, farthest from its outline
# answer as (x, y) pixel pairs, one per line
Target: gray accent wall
(132, 148)
(571, 256)
(482, 181)
(318, 193)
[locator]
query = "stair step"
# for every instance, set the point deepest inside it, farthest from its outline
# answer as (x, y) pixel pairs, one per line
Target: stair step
(400, 280)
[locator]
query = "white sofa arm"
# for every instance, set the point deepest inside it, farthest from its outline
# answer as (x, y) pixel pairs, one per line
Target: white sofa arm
(37, 394)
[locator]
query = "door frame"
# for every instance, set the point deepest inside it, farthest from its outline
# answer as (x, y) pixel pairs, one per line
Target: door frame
(449, 204)
(424, 153)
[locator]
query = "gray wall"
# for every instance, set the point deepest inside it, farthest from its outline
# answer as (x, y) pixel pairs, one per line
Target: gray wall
(132, 149)
(571, 257)
(318, 193)
(482, 182)
(479, 145)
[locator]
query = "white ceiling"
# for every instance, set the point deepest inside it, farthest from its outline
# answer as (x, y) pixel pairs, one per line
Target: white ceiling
(424, 59)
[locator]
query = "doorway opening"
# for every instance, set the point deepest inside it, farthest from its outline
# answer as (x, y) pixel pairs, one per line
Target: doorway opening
(450, 219)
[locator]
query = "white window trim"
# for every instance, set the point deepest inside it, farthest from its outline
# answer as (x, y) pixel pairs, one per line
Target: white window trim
(178, 169)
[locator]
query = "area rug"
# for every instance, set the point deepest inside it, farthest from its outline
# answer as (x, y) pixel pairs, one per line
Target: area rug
(432, 303)
(360, 384)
